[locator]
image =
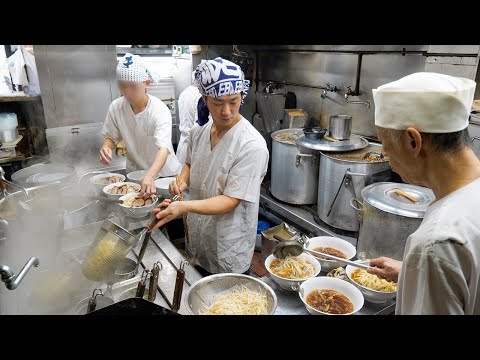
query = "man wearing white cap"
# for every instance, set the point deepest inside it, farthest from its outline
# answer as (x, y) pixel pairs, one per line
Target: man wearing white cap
(226, 161)
(422, 122)
(144, 122)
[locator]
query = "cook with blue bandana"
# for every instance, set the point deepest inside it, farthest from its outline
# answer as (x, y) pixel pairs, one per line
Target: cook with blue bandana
(226, 162)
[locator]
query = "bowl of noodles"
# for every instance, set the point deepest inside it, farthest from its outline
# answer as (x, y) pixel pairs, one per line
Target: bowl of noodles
(230, 294)
(375, 290)
(332, 246)
(330, 296)
(290, 272)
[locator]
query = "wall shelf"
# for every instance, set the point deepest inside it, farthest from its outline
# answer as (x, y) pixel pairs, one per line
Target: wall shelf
(19, 98)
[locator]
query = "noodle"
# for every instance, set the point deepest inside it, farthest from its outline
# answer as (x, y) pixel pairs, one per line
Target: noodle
(292, 268)
(373, 282)
(102, 258)
(241, 301)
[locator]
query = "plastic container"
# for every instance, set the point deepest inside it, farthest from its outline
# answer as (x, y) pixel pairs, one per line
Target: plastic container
(8, 121)
(262, 225)
(7, 152)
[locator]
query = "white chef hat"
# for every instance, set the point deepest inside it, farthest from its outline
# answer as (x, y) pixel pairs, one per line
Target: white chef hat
(430, 102)
(132, 68)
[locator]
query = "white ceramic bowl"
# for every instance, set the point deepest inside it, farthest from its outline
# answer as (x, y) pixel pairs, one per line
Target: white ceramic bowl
(330, 241)
(107, 188)
(100, 187)
(162, 186)
(137, 176)
(373, 296)
(291, 284)
(137, 212)
(329, 283)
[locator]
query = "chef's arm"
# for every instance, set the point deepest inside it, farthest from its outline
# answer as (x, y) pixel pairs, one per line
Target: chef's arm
(148, 182)
(109, 143)
(160, 160)
(217, 205)
(106, 151)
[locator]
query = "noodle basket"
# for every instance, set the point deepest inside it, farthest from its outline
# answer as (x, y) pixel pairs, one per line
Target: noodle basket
(202, 293)
(106, 252)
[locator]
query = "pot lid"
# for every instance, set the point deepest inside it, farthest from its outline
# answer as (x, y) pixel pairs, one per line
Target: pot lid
(354, 143)
(360, 155)
(387, 196)
(288, 136)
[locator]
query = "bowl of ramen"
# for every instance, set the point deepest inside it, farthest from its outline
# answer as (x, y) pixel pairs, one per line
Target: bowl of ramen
(116, 190)
(330, 296)
(290, 272)
(332, 246)
(101, 180)
(136, 206)
(230, 294)
(375, 290)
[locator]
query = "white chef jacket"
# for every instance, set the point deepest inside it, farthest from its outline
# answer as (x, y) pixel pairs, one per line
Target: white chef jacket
(441, 265)
(187, 110)
(235, 167)
(144, 134)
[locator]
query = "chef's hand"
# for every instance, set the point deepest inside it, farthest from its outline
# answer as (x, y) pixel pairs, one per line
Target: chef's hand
(105, 155)
(167, 211)
(148, 187)
(174, 189)
(386, 268)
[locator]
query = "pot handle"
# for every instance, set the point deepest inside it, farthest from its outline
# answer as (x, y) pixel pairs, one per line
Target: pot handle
(354, 201)
(299, 156)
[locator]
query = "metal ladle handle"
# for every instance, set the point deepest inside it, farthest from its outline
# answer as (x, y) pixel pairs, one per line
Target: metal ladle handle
(331, 257)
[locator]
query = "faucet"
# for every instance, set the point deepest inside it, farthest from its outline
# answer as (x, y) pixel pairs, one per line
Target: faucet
(349, 92)
(328, 88)
(2, 177)
(10, 279)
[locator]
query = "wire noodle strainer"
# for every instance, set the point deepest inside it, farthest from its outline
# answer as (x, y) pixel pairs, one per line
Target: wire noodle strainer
(109, 248)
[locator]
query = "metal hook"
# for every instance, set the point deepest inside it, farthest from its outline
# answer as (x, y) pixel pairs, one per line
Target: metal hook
(145, 274)
(94, 296)
(183, 263)
(158, 265)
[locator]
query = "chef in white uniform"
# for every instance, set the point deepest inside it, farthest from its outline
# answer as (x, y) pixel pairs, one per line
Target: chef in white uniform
(187, 113)
(422, 122)
(226, 162)
(143, 121)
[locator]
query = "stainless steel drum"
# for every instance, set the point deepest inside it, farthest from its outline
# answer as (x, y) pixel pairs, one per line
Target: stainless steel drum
(387, 219)
(294, 176)
(342, 175)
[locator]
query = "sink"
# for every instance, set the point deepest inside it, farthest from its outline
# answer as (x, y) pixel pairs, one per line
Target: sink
(133, 307)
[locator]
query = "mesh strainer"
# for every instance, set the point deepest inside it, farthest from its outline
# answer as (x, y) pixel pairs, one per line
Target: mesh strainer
(110, 247)
(201, 294)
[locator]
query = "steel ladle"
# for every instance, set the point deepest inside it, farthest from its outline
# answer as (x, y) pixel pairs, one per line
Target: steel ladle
(293, 248)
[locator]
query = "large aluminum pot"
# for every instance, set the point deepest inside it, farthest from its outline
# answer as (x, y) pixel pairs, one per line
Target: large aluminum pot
(294, 169)
(388, 219)
(342, 175)
(41, 174)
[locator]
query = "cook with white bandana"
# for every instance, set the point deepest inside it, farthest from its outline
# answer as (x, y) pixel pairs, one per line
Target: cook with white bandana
(226, 162)
(143, 121)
